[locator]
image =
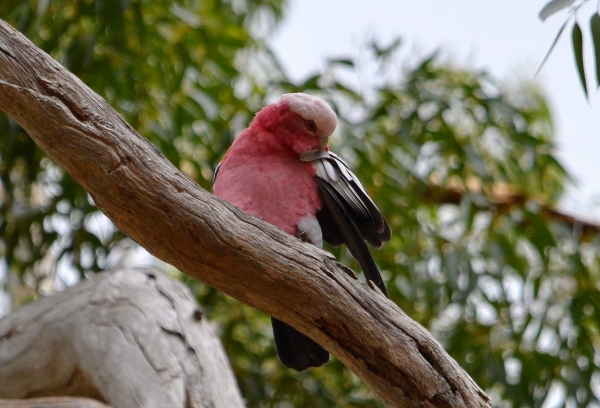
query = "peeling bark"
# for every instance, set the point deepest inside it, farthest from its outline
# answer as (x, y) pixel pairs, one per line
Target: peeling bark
(53, 402)
(174, 219)
(130, 338)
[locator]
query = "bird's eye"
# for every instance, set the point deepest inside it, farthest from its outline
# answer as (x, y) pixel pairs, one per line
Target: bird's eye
(311, 125)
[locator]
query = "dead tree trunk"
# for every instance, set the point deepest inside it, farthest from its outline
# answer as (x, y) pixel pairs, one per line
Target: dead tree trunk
(130, 338)
(174, 219)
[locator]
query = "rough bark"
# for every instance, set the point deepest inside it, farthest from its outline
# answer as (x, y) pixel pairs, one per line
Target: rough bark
(174, 219)
(53, 402)
(130, 338)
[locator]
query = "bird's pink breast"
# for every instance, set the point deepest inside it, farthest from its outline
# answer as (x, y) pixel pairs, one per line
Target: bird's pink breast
(280, 190)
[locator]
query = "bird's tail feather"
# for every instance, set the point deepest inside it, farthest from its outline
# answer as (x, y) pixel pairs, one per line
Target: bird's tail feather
(296, 350)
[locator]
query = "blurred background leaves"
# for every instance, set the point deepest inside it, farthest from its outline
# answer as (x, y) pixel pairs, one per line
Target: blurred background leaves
(462, 164)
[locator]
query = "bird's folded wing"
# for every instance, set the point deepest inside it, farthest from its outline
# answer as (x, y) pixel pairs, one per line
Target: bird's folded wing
(349, 215)
(354, 199)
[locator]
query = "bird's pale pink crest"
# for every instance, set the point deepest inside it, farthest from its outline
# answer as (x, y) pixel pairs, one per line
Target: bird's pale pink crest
(300, 121)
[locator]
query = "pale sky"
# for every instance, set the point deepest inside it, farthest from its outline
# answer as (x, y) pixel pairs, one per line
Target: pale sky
(504, 37)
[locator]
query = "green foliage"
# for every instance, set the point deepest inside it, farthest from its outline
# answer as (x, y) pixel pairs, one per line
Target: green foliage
(463, 166)
(577, 38)
(555, 6)
(167, 67)
(595, 31)
(465, 171)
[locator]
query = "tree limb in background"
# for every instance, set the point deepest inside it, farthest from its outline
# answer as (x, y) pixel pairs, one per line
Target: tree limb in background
(131, 338)
(169, 215)
(505, 200)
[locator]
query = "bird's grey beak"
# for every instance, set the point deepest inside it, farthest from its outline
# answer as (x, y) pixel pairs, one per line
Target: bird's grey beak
(313, 154)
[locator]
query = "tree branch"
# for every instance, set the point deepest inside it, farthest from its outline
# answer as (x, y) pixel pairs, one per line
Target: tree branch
(53, 402)
(174, 219)
(504, 200)
(132, 338)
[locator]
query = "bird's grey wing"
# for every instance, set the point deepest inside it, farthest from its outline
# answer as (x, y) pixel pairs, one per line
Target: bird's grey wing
(349, 215)
(355, 200)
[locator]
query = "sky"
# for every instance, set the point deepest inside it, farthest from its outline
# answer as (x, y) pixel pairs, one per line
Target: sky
(504, 37)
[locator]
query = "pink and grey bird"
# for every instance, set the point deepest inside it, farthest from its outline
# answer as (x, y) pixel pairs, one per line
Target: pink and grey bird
(280, 169)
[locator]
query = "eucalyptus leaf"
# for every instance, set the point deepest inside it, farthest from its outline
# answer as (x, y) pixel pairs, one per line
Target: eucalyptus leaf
(578, 52)
(554, 6)
(595, 30)
(562, 28)
(342, 61)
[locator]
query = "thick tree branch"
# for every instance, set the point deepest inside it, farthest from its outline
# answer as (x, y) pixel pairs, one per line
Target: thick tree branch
(53, 402)
(174, 219)
(131, 338)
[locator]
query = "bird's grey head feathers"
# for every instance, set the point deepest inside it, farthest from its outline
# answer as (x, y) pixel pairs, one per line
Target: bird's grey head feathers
(312, 108)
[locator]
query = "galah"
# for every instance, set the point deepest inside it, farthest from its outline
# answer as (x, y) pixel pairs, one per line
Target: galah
(280, 169)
